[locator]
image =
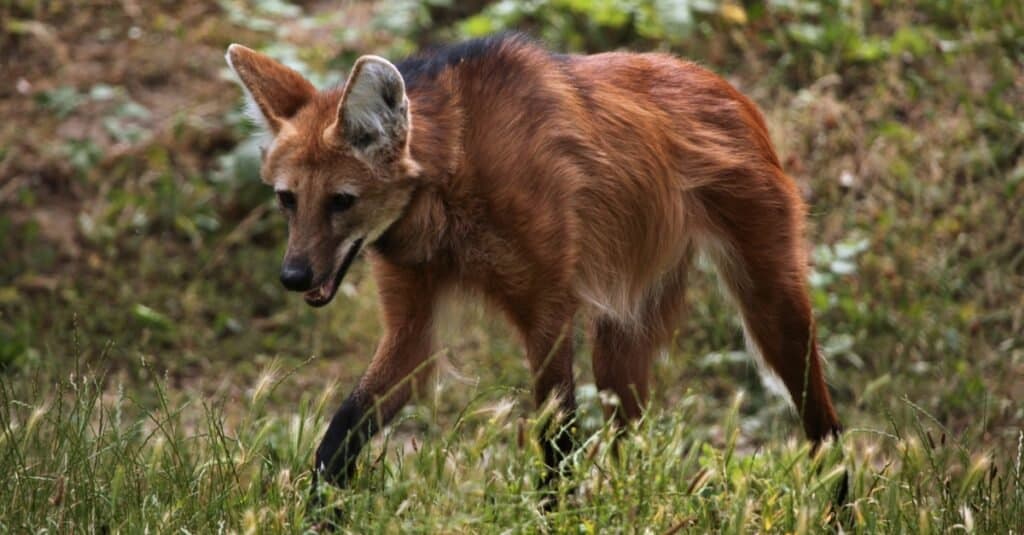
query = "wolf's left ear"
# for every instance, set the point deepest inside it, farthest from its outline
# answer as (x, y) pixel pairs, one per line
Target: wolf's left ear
(277, 91)
(373, 117)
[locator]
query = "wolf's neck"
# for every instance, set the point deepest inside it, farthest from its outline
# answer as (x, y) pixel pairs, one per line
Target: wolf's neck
(419, 233)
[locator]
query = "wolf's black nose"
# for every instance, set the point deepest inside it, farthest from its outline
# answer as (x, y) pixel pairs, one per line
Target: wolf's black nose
(297, 275)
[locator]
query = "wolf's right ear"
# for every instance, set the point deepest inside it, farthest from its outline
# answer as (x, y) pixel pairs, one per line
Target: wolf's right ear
(277, 91)
(373, 116)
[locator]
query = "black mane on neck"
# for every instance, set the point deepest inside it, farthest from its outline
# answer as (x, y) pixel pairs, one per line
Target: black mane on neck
(424, 67)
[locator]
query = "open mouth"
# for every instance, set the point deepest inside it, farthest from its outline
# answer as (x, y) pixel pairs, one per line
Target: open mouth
(323, 294)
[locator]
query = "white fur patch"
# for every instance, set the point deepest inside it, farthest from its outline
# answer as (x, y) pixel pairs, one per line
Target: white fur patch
(627, 300)
(347, 189)
(342, 251)
(254, 114)
(252, 110)
(281, 184)
(381, 226)
(734, 279)
(379, 230)
(771, 381)
(614, 302)
(726, 262)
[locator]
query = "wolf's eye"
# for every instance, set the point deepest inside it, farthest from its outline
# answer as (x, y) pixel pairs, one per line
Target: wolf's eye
(286, 199)
(340, 202)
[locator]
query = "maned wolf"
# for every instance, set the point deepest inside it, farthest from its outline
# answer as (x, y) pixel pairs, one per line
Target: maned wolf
(551, 185)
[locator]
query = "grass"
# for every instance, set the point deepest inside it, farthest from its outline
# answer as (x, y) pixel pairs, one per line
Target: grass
(93, 458)
(153, 375)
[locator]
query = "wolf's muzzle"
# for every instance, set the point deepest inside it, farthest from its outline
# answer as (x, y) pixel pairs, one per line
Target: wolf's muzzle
(297, 275)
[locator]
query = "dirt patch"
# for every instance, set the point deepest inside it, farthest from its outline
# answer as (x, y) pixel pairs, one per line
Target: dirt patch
(90, 86)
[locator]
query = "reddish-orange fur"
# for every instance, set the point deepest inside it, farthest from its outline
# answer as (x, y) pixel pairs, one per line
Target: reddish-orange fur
(553, 185)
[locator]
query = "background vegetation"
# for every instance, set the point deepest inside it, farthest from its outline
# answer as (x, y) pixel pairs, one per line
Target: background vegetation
(153, 375)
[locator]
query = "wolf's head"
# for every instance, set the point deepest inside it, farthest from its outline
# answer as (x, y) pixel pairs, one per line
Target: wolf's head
(339, 162)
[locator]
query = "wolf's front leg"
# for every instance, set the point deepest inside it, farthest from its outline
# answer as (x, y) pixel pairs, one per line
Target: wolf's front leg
(550, 353)
(401, 361)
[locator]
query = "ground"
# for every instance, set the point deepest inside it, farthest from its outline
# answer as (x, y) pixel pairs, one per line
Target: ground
(153, 372)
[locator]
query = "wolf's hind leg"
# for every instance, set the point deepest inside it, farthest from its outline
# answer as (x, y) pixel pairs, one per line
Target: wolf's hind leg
(625, 350)
(759, 254)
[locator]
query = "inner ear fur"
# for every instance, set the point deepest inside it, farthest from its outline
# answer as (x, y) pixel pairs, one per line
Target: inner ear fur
(277, 91)
(373, 115)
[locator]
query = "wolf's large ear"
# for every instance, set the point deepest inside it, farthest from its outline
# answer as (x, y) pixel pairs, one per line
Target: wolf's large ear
(373, 116)
(277, 91)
